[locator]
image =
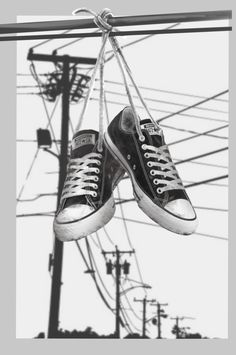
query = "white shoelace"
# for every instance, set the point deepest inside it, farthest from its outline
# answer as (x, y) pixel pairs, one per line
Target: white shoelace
(166, 169)
(79, 180)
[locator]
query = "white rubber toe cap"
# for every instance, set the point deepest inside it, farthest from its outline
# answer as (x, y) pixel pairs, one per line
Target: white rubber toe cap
(181, 208)
(73, 213)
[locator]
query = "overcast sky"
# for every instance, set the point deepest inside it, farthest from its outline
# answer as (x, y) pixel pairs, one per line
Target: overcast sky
(189, 273)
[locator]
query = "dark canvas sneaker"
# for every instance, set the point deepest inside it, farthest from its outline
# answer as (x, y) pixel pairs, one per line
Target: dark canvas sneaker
(157, 186)
(87, 202)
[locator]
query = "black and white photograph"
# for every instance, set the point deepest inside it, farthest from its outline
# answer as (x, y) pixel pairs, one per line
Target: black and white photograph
(122, 174)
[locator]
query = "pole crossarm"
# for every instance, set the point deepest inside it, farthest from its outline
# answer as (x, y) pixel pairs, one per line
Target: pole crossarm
(59, 58)
(115, 21)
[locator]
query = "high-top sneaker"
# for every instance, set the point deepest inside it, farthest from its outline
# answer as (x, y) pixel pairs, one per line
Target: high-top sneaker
(87, 202)
(157, 186)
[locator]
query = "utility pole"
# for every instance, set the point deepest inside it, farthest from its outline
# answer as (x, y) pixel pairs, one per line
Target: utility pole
(144, 302)
(160, 314)
(57, 258)
(177, 327)
(117, 265)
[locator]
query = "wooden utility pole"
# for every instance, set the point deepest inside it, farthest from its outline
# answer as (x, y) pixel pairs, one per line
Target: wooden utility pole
(144, 302)
(160, 314)
(117, 266)
(57, 258)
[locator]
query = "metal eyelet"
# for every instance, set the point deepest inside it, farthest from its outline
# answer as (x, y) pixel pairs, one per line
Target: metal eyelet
(146, 155)
(149, 164)
(99, 163)
(128, 156)
(142, 139)
(155, 181)
(134, 167)
(144, 146)
(152, 172)
(94, 194)
(96, 178)
(159, 190)
(95, 186)
(97, 171)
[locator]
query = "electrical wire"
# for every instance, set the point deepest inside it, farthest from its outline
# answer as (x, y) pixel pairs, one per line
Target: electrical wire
(201, 155)
(125, 225)
(38, 196)
(164, 102)
(202, 163)
(137, 41)
(157, 225)
(163, 111)
(94, 278)
(200, 134)
(180, 112)
(129, 241)
(116, 33)
(35, 155)
(47, 40)
(102, 249)
(165, 91)
(208, 180)
(196, 207)
(35, 76)
(72, 42)
(122, 308)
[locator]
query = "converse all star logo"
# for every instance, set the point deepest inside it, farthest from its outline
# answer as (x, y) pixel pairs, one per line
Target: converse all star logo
(83, 139)
(151, 128)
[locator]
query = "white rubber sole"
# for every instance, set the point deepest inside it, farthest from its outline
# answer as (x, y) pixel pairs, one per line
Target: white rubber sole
(156, 213)
(66, 232)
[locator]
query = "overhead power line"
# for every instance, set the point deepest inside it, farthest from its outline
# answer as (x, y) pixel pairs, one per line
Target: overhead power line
(163, 111)
(203, 182)
(115, 21)
(208, 180)
(166, 91)
(200, 135)
(47, 40)
(173, 103)
(180, 112)
(36, 153)
(157, 225)
(201, 155)
(115, 33)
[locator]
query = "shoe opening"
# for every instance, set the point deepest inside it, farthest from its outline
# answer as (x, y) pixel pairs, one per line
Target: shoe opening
(128, 120)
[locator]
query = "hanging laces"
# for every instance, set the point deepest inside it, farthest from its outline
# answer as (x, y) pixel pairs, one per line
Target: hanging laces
(101, 21)
(122, 62)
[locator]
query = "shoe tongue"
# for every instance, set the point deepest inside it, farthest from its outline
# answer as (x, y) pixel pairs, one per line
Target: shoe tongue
(83, 143)
(154, 134)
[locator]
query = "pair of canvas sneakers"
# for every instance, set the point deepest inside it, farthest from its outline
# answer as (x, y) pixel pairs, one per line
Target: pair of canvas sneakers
(87, 201)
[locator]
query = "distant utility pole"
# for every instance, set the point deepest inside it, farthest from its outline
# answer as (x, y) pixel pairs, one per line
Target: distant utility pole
(160, 314)
(144, 302)
(177, 326)
(56, 262)
(117, 265)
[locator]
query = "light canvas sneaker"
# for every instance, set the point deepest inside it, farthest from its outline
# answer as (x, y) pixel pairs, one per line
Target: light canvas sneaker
(157, 186)
(87, 202)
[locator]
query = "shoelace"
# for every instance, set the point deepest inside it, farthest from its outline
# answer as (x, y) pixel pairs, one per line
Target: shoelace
(100, 20)
(166, 169)
(81, 178)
